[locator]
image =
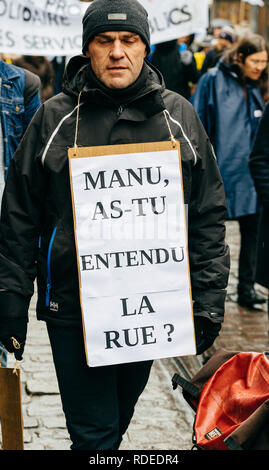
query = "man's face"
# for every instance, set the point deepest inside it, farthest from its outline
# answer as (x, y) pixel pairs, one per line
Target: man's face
(117, 57)
(224, 43)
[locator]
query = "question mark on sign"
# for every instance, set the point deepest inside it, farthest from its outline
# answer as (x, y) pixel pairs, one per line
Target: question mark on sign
(170, 331)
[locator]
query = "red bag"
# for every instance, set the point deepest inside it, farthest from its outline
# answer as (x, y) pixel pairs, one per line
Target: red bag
(230, 395)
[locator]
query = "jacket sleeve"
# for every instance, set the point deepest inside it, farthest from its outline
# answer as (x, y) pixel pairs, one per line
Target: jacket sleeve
(32, 99)
(259, 160)
(208, 252)
(21, 217)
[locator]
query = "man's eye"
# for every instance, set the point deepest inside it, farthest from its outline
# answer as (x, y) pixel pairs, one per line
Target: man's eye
(104, 41)
(129, 41)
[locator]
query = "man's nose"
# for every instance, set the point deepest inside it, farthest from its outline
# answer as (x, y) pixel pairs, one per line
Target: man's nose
(117, 51)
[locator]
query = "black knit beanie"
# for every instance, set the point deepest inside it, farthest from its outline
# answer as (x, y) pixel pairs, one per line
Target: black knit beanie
(115, 15)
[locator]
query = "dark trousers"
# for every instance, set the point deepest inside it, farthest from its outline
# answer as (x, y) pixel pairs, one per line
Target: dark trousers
(98, 402)
(248, 250)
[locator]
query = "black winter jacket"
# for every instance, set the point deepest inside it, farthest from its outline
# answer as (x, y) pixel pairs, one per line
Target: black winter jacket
(259, 167)
(36, 230)
(177, 68)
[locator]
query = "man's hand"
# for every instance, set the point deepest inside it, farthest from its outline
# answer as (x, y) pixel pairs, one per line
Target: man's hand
(13, 335)
(206, 332)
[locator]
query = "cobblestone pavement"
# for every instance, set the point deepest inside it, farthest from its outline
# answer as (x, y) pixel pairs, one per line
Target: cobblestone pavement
(162, 419)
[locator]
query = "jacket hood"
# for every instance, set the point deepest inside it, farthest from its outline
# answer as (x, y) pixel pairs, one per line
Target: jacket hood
(226, 68)
(231, 70)
(75, 78)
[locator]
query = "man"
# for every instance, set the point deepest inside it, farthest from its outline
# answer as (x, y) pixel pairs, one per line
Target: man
(177, 68)
(259, 168)
(120, 99)
(226, 40)
(19, 100)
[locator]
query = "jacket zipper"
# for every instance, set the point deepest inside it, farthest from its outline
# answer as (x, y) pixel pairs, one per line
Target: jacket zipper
(49, 267)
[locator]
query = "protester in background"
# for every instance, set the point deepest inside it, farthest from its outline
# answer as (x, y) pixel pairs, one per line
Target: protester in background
(178, 68)
(215, 31)
(111, 95)
(42, 67)
(187, 45)
(230, 101)
(19, 100)
(259, 168)
(225, 41)
(188, 41)
(202, 46)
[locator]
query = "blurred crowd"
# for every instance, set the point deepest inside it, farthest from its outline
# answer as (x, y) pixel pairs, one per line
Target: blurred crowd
(49, 69)
(225, 76)
(181, 61)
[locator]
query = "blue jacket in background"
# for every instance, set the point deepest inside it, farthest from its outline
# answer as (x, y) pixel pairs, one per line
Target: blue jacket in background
(19, 100)
(231, 119)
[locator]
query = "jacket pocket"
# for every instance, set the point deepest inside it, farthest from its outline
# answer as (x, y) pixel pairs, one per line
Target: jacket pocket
(48, 283)
(16, 119)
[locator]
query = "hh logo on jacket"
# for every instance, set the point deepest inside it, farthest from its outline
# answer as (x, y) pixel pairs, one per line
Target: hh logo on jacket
(54, 306)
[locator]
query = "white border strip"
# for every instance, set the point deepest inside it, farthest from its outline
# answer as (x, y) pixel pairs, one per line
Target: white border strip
(55, 132)
(187, 139)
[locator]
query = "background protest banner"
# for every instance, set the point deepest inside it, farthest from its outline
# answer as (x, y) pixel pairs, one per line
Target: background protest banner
(54, 27)
(131, 243)
(175, 18)
(31, 27)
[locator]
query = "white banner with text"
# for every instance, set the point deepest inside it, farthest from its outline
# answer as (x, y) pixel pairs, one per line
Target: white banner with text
(54, 27)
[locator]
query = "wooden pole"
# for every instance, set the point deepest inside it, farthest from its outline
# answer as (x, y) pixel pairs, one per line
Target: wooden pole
(10, 409)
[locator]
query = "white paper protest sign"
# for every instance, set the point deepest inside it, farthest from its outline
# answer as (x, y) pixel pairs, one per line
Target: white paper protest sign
(131, 242)
(54, 27)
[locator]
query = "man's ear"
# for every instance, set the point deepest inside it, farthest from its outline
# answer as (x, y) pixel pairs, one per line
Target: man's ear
(87, 54)
(145, 53)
